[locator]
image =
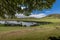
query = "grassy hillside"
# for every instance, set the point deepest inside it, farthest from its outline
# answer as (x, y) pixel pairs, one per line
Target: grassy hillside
(53, 16)
(44, 31)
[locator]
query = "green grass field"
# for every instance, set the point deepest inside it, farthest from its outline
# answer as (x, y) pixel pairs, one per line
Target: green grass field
(41, 32)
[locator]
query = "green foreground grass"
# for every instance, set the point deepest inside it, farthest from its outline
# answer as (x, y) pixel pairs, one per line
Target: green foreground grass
(41, 32)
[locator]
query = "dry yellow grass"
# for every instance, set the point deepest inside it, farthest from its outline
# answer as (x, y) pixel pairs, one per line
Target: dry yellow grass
(27, 33)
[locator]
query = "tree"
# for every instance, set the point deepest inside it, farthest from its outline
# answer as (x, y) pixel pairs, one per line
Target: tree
(10, 7)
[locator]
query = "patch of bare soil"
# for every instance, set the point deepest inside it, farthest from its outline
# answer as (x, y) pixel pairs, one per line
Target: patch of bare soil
(23, 32)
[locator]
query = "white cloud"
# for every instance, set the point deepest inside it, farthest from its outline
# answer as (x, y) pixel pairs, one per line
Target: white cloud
(23, 8)
(20, 15)
(37, 15)
(32, 15)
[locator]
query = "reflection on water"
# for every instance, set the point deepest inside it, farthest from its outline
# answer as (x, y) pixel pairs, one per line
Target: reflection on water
(2, 22)
(21, 23)
(24, 23)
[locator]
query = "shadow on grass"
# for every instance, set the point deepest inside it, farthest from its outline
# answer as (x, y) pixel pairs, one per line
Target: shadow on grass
(54, 38)
(44, 23)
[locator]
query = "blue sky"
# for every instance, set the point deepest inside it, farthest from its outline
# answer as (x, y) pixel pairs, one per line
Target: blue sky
(54, 10)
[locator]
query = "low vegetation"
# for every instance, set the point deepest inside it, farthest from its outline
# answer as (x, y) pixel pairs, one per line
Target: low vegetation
(42, 32)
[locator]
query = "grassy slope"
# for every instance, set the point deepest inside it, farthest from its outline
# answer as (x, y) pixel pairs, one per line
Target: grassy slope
(41, 32)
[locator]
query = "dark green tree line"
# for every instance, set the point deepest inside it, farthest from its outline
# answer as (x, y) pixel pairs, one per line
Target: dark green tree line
(10, 7)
